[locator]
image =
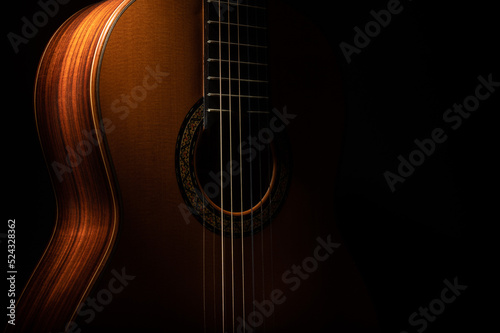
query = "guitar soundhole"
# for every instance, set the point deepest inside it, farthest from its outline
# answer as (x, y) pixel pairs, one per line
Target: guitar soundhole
(244, 177)
(255, 174)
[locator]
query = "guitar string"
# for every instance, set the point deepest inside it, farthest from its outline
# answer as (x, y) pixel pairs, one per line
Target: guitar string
(205, 7)
(230, 107)
(204, 244)
(241, 172)
(260, 104)
(204, 250)
(204, 203)
(213, 244)
(214, 279)
(262, 250)
(241, 176)
(221, 174)
(270, 166)
(263, 106)
(271, 155)
(250, 168)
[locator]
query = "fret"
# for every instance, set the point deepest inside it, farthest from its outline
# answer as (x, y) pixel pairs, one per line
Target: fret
(238, 87)
(237, 44)
(235, 34)
(251, 94)
(233, 102)
(226, 110)
(217, 110)
(235, 3)
(255, 111)
(237, 25)
(235, 52)
(235, 79)
(236, 95)
(237, 14)
(238, 70)
(236, 61)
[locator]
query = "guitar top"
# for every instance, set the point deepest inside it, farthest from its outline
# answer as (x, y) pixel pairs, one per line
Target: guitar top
(192, 147)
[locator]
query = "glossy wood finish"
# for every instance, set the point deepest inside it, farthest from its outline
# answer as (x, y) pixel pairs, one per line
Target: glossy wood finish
(87, 203)
(141, 82)
(177, 264)
(155, 243)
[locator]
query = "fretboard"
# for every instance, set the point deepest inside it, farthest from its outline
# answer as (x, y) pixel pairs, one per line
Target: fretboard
(236, 61)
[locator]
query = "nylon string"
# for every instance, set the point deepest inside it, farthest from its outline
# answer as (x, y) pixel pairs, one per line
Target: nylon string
(221, 174)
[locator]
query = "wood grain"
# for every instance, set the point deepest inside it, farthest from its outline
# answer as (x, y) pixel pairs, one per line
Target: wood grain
(87, 203)
(177, 264)
(138, 74)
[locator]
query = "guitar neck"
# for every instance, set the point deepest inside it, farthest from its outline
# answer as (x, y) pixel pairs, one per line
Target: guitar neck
(236, 58)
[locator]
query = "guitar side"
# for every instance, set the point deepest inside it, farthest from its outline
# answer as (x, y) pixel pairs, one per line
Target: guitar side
(71, 134)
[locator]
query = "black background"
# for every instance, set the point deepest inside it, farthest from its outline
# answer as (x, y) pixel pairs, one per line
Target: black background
(439, 224)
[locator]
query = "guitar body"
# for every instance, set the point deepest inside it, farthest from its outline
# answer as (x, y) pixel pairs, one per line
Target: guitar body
(118, 104)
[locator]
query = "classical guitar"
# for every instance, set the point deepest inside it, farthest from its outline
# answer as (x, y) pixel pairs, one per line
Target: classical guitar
(192, 147)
